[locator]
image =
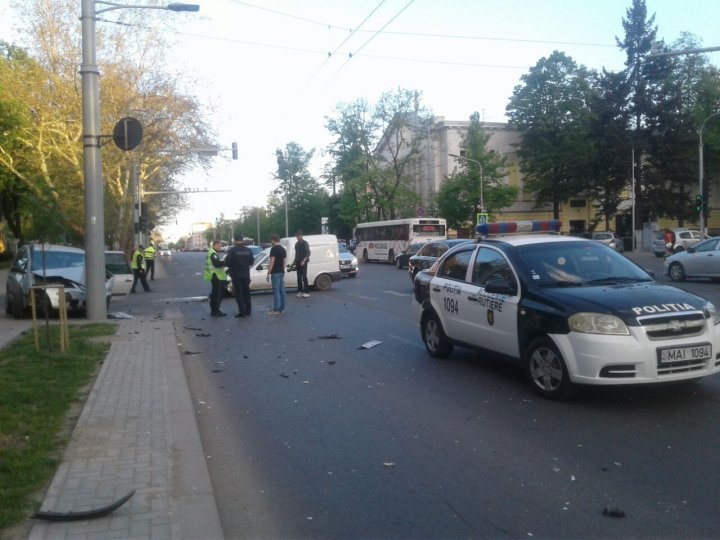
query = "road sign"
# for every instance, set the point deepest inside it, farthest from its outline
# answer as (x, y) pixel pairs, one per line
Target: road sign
(482, 218)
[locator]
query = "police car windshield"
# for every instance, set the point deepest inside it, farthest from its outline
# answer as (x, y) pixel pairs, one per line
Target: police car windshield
(577, 264)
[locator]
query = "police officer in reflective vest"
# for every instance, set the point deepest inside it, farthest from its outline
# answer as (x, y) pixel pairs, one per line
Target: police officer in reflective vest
(138, 268)
(149, 255)
(215, 274)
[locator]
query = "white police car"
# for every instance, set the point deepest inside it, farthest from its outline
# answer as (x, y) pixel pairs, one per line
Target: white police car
(571, 310)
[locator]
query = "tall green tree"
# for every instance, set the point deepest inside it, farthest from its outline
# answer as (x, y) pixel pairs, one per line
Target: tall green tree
(477, 182)
(306, 201)
(550, 107)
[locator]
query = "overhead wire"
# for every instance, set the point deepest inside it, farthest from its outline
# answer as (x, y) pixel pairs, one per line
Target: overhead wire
(350, 55)
(352, 33)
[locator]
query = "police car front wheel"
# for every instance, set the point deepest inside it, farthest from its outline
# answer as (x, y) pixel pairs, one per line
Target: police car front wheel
(433, 335)
(546, 370)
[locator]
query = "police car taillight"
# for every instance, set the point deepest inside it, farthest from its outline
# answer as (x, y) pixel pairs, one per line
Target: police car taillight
(519, 227)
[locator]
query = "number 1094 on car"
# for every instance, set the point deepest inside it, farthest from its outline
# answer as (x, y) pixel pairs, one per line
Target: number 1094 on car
(682, 354)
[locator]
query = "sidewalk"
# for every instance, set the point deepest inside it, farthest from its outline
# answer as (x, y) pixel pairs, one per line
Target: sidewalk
(137, 431)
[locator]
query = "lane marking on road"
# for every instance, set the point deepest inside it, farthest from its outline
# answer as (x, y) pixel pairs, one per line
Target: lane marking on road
(186, 299)
(413, 343)
(397, 293)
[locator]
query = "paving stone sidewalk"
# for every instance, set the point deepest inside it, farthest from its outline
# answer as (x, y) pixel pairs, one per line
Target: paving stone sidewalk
(137, 431)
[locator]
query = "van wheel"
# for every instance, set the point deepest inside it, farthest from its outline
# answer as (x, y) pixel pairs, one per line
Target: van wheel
(436, 342)
(365, 256)
(323, 282)
(546, 370)
(391, 257)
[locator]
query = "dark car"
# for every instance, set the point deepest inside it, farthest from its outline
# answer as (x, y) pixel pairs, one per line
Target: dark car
(401, 261)
(430, 253)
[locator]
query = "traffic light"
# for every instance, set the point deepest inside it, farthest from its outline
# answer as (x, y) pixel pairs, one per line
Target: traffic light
(699, 203)
(143, 222)
(234, 150)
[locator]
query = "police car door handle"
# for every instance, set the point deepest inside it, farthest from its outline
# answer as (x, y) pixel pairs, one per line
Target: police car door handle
(473, 298)
(436, 289)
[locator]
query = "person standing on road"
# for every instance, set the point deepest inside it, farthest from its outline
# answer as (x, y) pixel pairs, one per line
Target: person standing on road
(669, 239)
(149, 255)
(137, 265)
(276, 273)
(215, 274)
(238, 261)
(302, 257)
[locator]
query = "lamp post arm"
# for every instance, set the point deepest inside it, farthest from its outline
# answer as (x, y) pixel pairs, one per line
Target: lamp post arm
(175, 6)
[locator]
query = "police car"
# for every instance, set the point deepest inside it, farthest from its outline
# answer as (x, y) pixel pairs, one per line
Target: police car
(573, 311)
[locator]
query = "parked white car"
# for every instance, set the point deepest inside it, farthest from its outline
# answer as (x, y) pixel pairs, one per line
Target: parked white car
(117, 264)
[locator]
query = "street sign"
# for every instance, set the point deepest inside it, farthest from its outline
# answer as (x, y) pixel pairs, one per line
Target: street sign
(128, 133)
(482, 218)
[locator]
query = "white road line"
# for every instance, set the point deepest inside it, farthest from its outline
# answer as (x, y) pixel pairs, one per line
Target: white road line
(397, 293)
(415, 343)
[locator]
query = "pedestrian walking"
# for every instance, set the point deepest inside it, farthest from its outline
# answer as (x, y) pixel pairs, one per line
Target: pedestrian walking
(238, 261)
(137, 265)
(276, 273)
(302, 257)
(215, 274)
(149, 255)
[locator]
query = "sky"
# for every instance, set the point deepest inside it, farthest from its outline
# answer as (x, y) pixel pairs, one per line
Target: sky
(272, 71)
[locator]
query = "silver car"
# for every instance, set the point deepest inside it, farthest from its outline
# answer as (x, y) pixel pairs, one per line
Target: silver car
(610, 239)
(700, 260)
(41, 268)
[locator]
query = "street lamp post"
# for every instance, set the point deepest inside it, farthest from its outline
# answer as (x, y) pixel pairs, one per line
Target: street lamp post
(92, 161)
(476, 162)
(700, 173)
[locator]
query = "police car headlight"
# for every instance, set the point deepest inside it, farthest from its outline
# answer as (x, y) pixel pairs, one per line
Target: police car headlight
(713, 312)
(598, 323)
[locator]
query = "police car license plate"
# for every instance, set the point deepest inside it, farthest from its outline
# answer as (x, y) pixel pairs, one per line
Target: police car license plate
(702, 351)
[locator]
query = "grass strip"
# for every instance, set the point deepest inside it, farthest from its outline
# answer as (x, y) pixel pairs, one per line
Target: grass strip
(37, 390)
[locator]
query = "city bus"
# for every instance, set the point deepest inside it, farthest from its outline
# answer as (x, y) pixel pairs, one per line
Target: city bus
(382, 240)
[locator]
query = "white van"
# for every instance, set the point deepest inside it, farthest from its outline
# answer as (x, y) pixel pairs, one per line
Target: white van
(323, 268)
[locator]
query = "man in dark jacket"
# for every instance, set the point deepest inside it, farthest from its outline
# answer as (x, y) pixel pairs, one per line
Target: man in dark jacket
(239, 260)
(302, 257)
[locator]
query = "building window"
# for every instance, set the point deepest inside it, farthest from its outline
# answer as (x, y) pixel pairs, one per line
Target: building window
(578, 203)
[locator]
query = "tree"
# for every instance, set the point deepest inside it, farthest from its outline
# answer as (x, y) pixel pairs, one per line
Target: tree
(129, 55)
(373, 152)
(551, 109)
(305, 200)
(459, 199)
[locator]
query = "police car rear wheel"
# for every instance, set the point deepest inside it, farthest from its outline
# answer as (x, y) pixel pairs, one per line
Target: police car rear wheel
(676, 272)
(547, 371)
(436, 342)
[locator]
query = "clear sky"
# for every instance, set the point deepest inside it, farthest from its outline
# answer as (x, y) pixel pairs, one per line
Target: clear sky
(267, 77)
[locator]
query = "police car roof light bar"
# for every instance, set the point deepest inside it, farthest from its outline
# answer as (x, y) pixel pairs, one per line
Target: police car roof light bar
(519, 227)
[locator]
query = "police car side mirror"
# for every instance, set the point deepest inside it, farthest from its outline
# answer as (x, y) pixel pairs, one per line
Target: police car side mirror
(260, 267)
(691, 249)
(500, 286)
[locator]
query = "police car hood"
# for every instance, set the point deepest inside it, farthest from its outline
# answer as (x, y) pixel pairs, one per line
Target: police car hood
(626, 301)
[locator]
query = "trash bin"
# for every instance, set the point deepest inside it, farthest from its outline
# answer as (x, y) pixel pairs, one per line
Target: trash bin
(627, 243)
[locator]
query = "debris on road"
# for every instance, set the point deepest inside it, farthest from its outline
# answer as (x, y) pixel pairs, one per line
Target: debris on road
(370, 344)
(613, 511)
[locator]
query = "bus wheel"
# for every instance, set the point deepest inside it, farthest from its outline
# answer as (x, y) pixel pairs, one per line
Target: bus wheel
(365, 256)
(391, 257)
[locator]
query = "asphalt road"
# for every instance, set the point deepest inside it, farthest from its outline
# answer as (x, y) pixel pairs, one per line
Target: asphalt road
(309, 436)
